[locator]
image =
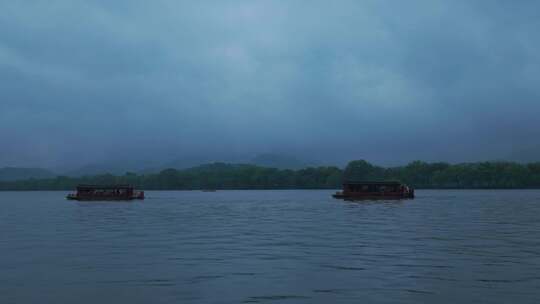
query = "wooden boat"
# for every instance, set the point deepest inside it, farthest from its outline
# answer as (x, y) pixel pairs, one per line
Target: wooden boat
(105, 193)
(372, 190)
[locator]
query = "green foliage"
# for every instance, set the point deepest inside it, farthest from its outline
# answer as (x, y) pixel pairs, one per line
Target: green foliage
(239, 176)
(488, 175)
(361, 170)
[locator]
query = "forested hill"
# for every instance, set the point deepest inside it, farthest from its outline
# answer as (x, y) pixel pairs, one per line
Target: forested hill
(491, 175)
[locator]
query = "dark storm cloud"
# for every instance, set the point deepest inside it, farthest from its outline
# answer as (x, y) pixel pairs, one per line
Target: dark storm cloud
(87, 81)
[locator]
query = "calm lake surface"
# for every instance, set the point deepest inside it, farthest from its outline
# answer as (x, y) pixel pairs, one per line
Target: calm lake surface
(271, 247)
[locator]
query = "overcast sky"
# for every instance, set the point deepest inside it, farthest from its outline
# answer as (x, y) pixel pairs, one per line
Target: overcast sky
(387, 81)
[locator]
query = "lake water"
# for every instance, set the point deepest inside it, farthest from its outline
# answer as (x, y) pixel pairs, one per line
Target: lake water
(271, 247)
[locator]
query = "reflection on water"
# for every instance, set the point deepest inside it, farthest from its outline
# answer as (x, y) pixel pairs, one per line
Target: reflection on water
(271, 247)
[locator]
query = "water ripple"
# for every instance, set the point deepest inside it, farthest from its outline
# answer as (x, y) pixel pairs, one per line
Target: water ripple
(271, 246)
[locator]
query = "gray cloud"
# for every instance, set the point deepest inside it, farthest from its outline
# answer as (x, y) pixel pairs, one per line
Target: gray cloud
(88, 81)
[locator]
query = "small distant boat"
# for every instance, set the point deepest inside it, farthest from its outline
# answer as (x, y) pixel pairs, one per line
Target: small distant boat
(371, 190)
(105, 193)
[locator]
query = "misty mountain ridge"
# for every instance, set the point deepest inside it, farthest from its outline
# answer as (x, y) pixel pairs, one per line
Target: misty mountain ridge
(12, 173)
(280, 161)
(115, 168)
(145, 166)
(140, 166)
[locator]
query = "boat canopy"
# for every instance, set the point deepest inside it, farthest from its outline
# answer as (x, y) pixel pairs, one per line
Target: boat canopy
(374, 190)
(105, 192)
(103, 187)
(374, 183)
(372, 186)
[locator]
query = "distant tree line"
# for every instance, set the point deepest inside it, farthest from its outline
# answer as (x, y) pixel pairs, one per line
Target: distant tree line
(488, 175)
(479, 175)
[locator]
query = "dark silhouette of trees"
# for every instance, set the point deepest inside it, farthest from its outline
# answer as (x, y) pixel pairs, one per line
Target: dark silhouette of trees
(419, 174)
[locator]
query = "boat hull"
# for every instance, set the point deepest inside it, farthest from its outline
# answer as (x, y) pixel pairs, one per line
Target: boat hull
(104, 198)
(371, 197)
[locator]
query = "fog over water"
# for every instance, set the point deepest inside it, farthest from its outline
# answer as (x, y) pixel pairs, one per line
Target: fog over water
(151, 82)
